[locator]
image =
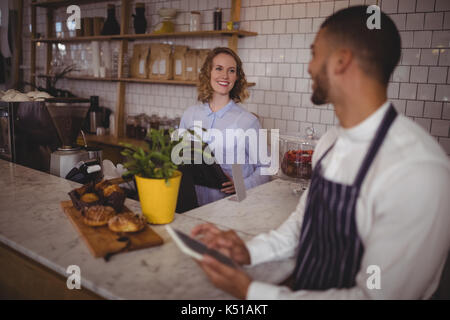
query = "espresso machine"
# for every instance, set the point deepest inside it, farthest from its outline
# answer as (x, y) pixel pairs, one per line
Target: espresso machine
(70, 161)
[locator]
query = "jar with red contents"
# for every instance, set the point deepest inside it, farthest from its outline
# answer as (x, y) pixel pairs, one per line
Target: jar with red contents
(296, 157)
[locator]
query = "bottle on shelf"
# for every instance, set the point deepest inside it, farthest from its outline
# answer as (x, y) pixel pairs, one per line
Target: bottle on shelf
(139, 23)
(111, 26)
(218, 19)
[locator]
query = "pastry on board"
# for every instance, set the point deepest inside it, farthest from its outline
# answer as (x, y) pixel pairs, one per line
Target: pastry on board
(97, 216)
(127, 222)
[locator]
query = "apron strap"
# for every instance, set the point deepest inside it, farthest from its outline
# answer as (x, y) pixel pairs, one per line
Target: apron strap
(382, 130)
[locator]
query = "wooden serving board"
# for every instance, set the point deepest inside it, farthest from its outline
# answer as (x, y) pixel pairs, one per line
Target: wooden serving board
(103, 242)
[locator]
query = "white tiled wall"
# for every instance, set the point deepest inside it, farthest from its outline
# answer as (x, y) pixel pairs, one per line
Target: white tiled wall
(277, 60)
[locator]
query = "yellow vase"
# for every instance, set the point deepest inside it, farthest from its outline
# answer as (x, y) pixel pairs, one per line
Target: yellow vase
(158, 199)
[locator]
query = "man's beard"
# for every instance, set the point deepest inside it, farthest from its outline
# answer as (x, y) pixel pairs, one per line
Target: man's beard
(320, 93)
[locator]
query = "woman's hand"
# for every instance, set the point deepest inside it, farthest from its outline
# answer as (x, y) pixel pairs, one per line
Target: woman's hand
(228, 186)
(226, 242)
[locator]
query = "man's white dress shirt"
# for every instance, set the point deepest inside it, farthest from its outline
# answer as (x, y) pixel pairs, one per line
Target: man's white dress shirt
(402, 213)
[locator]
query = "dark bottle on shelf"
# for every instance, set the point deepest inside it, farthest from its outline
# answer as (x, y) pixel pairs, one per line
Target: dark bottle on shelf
(218, 19)
(111, 26)
(139, 23)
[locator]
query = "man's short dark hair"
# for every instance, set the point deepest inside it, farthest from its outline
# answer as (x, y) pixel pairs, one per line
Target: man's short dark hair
(378, 50)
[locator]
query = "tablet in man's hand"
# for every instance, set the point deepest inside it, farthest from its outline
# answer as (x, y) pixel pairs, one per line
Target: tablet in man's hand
(195, 248)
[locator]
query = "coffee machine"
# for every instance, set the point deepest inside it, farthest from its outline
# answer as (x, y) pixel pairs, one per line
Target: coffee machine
(71, 161)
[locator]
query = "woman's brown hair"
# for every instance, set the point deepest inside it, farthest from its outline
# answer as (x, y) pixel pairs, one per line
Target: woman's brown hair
(205, 92)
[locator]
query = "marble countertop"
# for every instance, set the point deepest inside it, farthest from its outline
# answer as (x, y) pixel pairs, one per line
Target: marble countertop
(33, 223)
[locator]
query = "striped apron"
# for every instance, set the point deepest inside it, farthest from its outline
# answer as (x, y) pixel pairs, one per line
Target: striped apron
(330, 249)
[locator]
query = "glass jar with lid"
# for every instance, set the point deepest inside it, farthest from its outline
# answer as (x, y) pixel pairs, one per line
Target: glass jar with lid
(296, 157)
(131, 126)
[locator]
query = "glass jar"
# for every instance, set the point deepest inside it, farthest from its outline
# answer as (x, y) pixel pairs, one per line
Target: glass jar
(195, 21)
(131, 126)
(154, 121)
(141, 130)
(296, 157)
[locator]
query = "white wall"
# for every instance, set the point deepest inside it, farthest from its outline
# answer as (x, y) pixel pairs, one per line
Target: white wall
(277, 61)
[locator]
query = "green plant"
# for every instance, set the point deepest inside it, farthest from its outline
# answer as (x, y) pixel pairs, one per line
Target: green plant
(155, 162)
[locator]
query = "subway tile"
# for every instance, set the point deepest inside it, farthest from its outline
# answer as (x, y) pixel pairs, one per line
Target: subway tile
(407, 6)
(295, 98)
(407, 39)
(289, 84)
(410, 56)
(441, 39)
(268, 123)
(426, 91)
(280, 124)
(272, 69)
(309, 39)
(261, 41)
(425, 6)
(415, 21)
(389, 6)
(292, 26)
(444, 57)
(300, 114)
(401, 74)
(422, 39)
(446, 111)
(274, 12)
(299, 10)
(433, 110)
(393, 90)
(278, 55)
(264, 83)
(424, 123)
(440, 128)
(302, 85)
(296, 70)
(287, 113)
(268, 27)
(312, 9)
(445, 144)
(260, 69)
(282, 99)
(298, 40)
(286, 11)
(276, 84)
(249, 13)
(284, 70)
(291, 55)
(279, 26)
(437, 74)
(255, 26)
(270, 97)
(292, 126)
(326, 116)
(266, 55)
(305, 25)
(442, 92)
(414, 108)
(313, 115)
(285, 41)
(303, 55)
(408, 91)
(429, 57)
(261, 13)
(317, 22)
(399, 20)
(419, 74)
(275, 111)
(249, 68)
(442, 5)
(338, 5)
(433, 21)
(326, 8)
(446, 20)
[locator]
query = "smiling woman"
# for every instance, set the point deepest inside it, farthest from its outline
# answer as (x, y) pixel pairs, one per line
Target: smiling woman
(222, 85)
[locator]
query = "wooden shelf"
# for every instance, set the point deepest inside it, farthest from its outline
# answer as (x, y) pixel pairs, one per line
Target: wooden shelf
(62, 3)
(135, 80)
(210, 33)
(112, 141)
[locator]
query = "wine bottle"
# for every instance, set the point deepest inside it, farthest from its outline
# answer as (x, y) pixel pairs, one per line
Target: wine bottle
(111, 26)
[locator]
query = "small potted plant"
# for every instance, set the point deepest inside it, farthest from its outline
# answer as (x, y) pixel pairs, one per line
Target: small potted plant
(156, 175)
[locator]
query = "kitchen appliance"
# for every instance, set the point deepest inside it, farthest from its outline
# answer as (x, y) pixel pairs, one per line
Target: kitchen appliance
(68, 118)
(6, 133)
(296, 152)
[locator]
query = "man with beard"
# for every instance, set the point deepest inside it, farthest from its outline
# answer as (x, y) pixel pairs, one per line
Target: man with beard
(378, 199)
